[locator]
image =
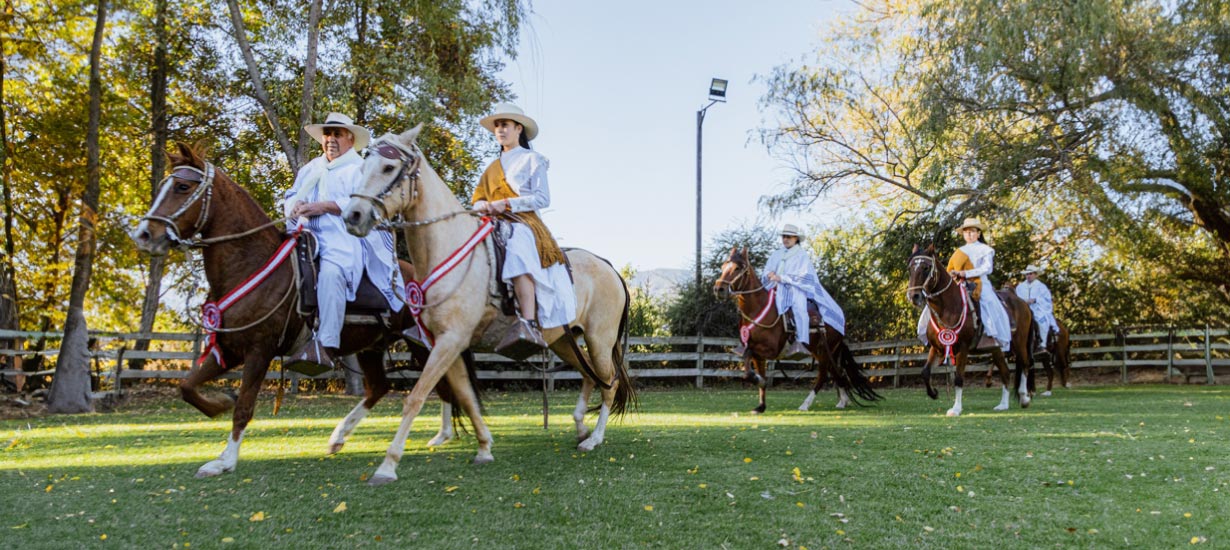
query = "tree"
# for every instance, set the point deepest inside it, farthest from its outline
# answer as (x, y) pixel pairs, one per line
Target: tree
(70, 390)
(696, 310)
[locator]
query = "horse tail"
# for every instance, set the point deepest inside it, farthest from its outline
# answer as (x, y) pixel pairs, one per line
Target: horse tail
(860, 385)
(625, 392)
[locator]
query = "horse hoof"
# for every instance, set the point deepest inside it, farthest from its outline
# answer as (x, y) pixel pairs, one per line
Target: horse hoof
(587, 445)
(334, 448)
(1001, 407)
(954, 412)
(213, 469)
(1024, 402)
(803, 408)
(483, 458)
(582, 436)
(1046, 394)
(438, 441)
(378, 480)
(1068, 385)
(758, 410)
(841, 405)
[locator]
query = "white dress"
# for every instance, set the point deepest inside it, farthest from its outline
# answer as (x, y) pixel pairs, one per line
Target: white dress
(1043, 307)
(343, 257)
(526, 172)
(994, 317)
(800, 283)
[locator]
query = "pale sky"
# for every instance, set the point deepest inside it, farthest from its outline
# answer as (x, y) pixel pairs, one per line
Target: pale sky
(615, 87)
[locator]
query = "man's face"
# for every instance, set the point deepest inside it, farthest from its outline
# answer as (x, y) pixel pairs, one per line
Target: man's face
(1031, 277)
(337, 142)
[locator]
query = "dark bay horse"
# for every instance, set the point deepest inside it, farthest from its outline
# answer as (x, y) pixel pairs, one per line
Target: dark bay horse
(198, 199)
(938, 294)
(767, 337)
(1058, 358)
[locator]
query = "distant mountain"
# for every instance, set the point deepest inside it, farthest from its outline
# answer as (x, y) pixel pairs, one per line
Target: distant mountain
(662, 282)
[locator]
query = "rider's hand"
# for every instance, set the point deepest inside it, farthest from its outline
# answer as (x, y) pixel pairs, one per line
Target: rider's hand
(498, 207)
(773, 276)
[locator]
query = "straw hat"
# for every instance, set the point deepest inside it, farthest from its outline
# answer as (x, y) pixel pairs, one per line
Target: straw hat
(1031, 269)
(338, 120)
(508, 111)
(790, 230)
(971, 222)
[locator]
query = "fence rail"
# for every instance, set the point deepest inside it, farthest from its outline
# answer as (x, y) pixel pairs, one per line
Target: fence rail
(1189, 353)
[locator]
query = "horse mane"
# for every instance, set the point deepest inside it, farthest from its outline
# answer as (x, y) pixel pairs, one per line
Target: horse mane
(187, 155)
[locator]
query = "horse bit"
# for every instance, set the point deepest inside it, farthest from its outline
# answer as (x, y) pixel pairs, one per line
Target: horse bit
(930, 277)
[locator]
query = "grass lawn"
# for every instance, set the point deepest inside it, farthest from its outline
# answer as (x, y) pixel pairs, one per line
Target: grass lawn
(1104, 467)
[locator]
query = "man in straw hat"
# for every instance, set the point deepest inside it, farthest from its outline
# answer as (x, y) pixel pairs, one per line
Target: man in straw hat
(975, 262)
(321, 191)
(792, 272)
(514, 187)
(1038, 296)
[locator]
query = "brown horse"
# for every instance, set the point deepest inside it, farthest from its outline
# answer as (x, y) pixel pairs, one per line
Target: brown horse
(460, 311)
(767, 337)
(199, 199)
(933, 290)
(1059, 357)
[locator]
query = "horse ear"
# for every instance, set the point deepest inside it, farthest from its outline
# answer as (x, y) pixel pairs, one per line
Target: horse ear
(408, 138)
(915, 251)
(747, 255)
(931, 248)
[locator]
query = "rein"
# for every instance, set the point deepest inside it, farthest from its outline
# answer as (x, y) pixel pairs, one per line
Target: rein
(416, 293)
(947, 336)
(730, 285)
(930, 277)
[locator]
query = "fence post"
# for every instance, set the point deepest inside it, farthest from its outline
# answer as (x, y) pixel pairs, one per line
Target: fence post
(1121, 336)
(700, 359)
(1170, 353)
(897, 367)
(1208, 357)
(551, 378)
(119, 368)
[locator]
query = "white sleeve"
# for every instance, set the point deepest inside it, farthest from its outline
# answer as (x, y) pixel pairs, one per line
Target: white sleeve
(984, 266)
(535, 193)
(1044, 298)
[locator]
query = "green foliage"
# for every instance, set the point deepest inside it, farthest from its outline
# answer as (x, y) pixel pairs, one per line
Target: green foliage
(646, 316)
(697, 308)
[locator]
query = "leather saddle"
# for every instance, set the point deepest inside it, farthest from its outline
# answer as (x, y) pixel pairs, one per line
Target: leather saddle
(814, 319)
(499, 240)
(368, 300)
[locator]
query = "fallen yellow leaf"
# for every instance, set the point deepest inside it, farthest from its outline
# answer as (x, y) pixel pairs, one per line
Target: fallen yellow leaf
(228, 540)
(450, 488)
(648, 507)
(340, 508)
(747, 460)
(48, 489)
(259, 516)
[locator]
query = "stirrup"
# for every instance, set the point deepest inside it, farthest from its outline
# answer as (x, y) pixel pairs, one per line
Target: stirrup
(522, 340)
(986, 343)
(740, 350)
(796, 351)
(312, 359)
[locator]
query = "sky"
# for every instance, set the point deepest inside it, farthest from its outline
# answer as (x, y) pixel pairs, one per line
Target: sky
(615, 88)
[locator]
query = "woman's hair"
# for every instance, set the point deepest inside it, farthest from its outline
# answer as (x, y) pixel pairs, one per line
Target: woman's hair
(521, 137)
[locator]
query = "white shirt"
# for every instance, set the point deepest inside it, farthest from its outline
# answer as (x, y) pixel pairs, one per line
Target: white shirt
(526, 172)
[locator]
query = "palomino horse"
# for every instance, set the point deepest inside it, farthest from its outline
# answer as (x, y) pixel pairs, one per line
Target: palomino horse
(239, 241)
(766, 336)
(952, 333)
(457, 307)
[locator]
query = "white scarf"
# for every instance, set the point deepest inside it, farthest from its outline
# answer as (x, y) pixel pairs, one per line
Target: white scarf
(314, 178)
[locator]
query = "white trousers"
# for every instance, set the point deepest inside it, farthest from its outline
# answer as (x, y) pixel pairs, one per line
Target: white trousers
(331, 303)
(798, 308)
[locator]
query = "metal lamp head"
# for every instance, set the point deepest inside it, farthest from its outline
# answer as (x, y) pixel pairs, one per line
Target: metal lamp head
(717, 89)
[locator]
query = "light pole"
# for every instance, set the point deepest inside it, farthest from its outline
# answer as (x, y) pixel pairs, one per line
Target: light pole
(717, 93)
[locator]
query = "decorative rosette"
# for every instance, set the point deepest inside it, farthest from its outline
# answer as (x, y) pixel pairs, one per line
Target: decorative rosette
(211, 316)
(745, 332)
(947, 336)
(414, 297)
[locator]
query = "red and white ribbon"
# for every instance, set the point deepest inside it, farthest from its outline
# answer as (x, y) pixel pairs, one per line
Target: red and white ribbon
(416, 293)
(211, 312)
(745, 330)
(948, 336)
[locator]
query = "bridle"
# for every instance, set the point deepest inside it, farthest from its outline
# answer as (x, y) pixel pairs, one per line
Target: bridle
(411, 164)
(204, 192)
(730, 284)
(930, 280)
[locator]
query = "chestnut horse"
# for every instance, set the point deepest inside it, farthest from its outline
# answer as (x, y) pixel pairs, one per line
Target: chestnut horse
(767, 337)
(459, 310)
(199, 205)
(1058, 358)
(952, 310)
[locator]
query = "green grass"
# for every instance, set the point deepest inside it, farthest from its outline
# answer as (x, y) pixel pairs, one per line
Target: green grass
(1109, 467)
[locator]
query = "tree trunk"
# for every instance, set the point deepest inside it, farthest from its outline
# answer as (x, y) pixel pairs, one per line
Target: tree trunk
(9, 315)
(258, 85)
(357, 89)
(70, 390)
(309, 80)
(157, 160)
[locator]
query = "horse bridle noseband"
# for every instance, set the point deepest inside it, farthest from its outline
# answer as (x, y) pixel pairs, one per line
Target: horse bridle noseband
(407, 158)
(204, 192)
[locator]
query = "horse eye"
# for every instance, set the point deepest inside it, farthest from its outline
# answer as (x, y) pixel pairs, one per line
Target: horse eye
(182, 187)
(388, 169)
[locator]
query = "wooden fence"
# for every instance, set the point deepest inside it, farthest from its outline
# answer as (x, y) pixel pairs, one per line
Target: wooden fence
(1185, 353)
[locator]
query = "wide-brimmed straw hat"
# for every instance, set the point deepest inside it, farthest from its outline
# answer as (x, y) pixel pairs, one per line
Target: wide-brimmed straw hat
(971, 222)
(790, 230)
(508, 111)
(337, 120)
(1031, 269)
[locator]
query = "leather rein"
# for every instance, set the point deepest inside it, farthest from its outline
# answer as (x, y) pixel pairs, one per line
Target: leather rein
(204, 193)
